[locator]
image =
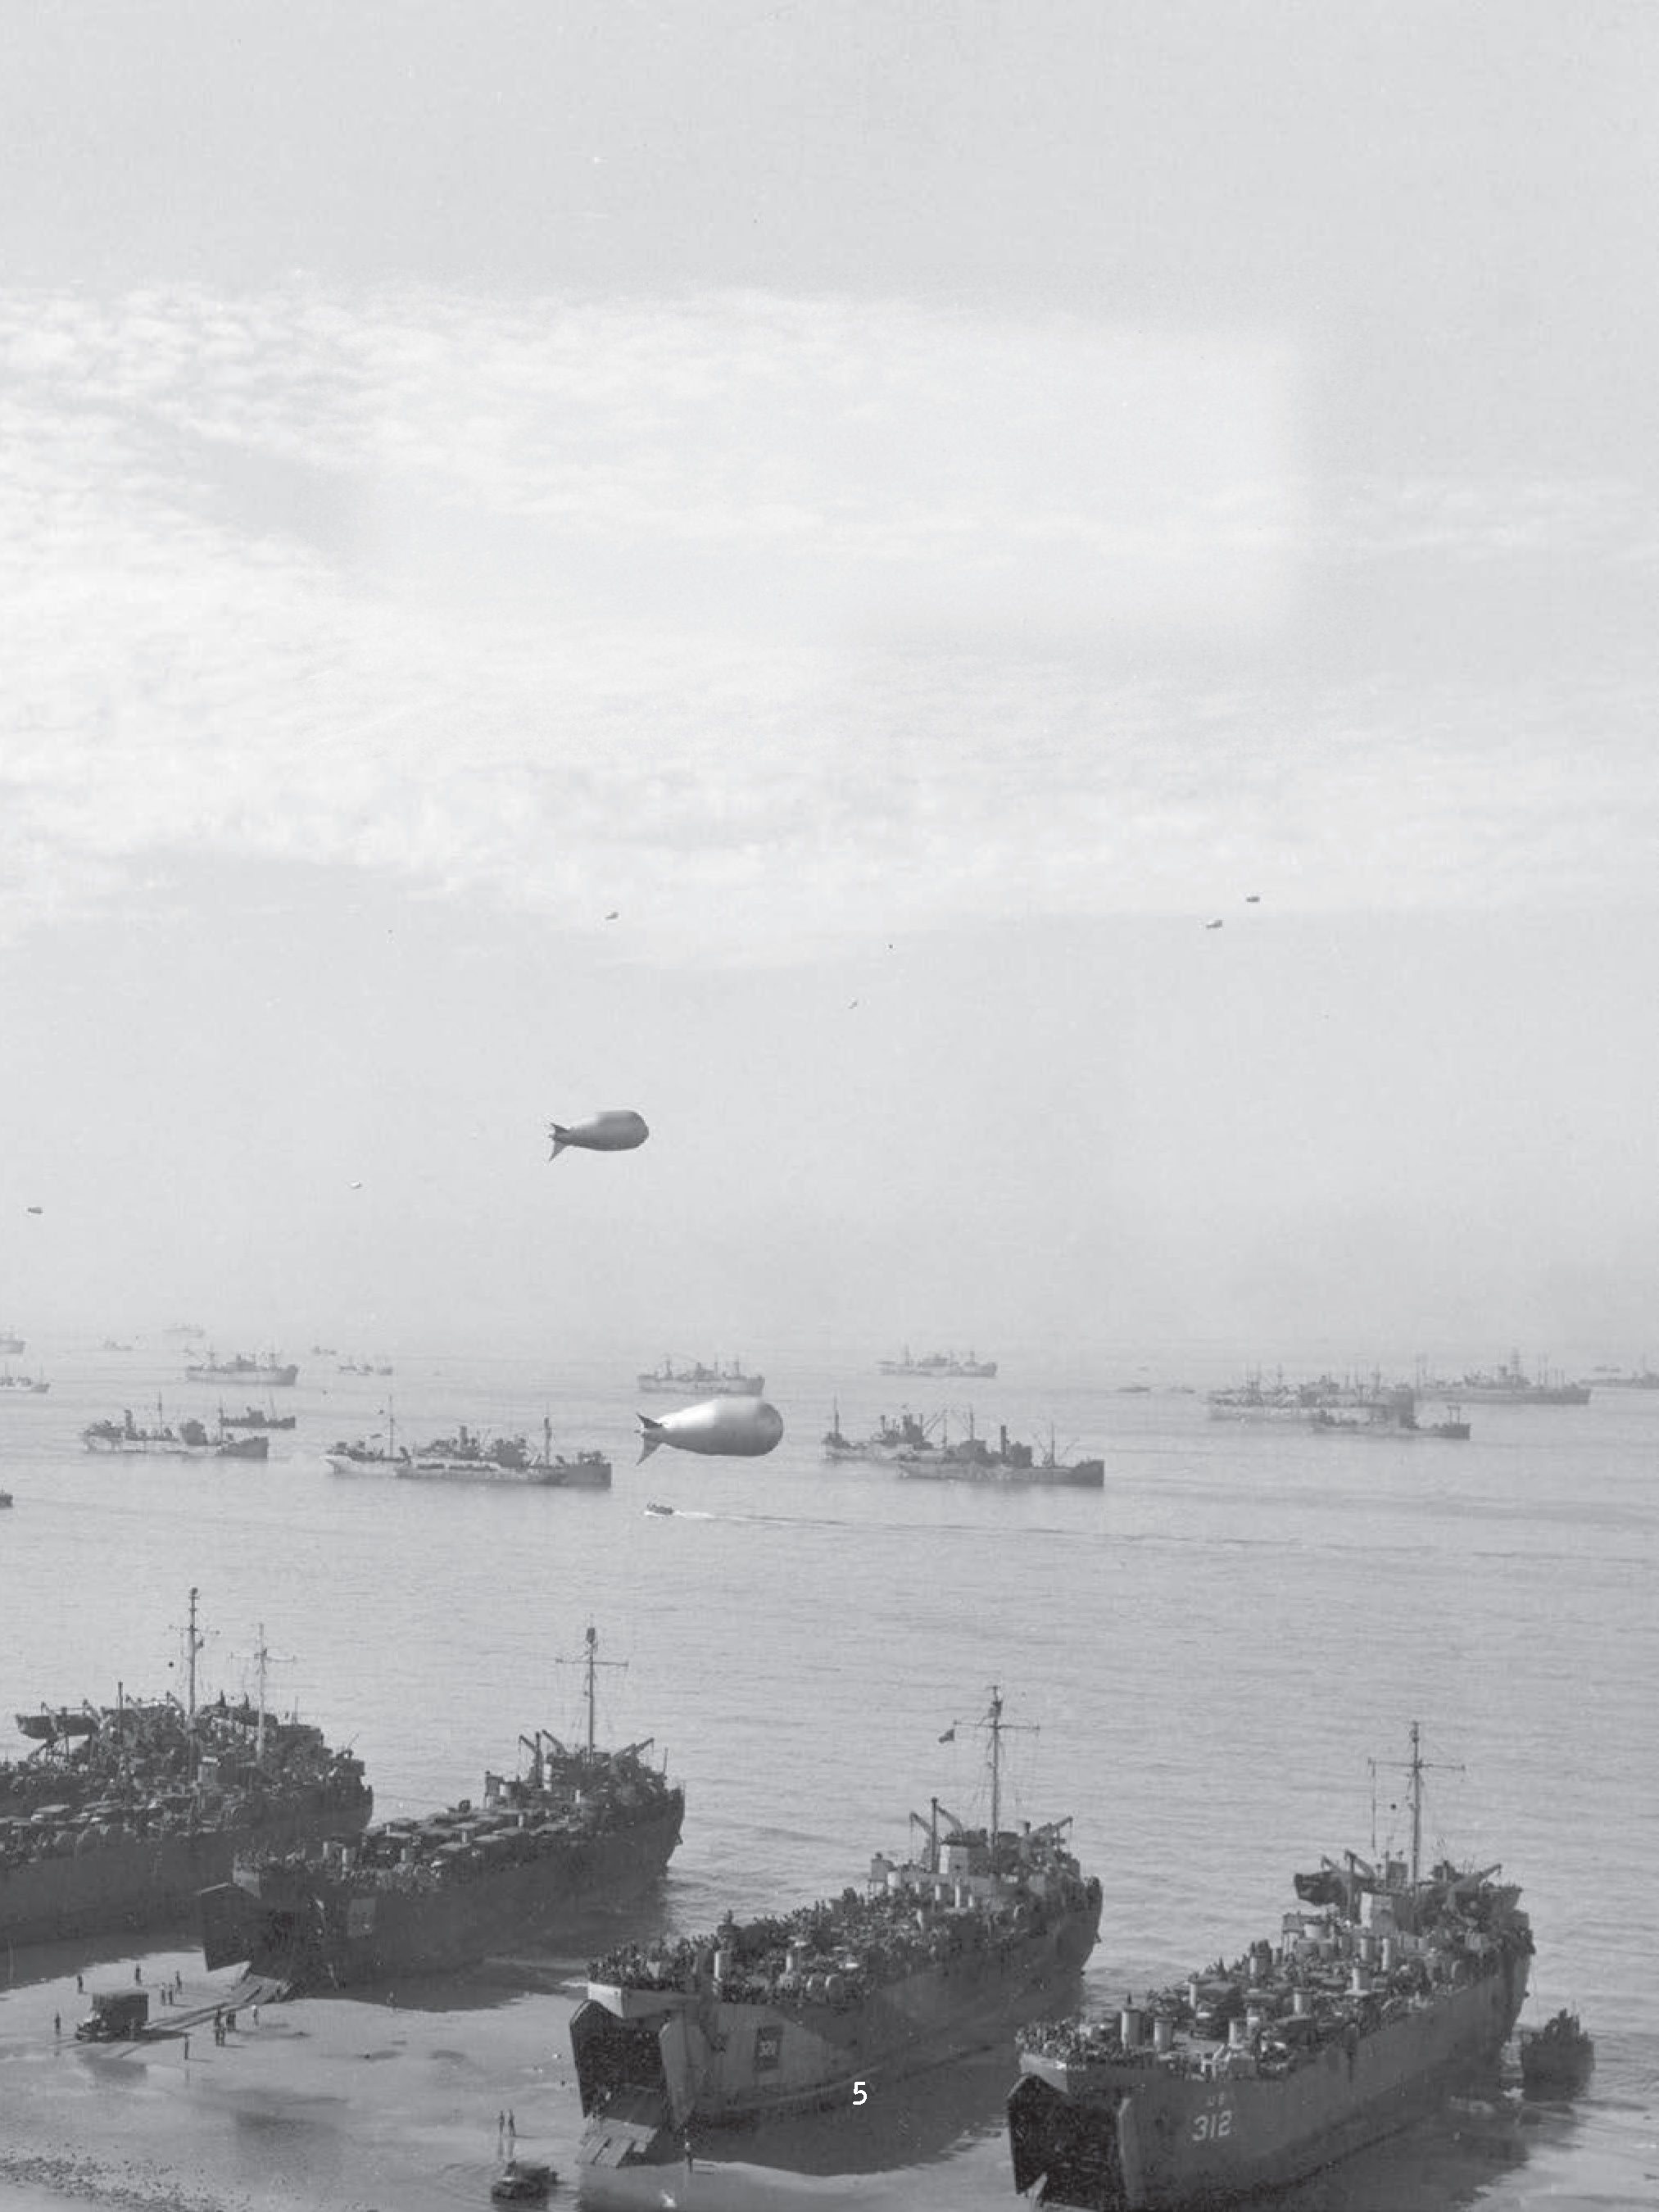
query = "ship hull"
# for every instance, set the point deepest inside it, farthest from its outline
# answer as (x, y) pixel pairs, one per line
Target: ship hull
(144, 1882)
(315, 1930)
(246, 1372)
(707, 1386)
(1083, 1474)
(543, 1474)
(1141, 2139)
(653, 2071)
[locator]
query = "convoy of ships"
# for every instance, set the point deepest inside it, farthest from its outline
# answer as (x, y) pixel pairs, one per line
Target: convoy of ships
(1382, 1988)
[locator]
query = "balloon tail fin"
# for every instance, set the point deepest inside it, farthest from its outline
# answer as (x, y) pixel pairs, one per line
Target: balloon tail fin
(556, 1131)
(650, 1437)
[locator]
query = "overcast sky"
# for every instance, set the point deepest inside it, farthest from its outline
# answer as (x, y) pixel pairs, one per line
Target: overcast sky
(914, 510)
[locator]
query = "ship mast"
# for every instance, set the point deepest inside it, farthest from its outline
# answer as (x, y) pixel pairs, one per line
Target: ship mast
(1415, 1768)
(999, 1728)
(193, 1643)
(263, 1657)
(995, 1719)
(591, 1662)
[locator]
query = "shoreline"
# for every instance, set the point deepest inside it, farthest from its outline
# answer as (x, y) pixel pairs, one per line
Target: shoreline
(346, 2104)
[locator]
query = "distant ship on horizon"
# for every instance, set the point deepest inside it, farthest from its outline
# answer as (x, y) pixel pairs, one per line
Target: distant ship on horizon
(939, 1366)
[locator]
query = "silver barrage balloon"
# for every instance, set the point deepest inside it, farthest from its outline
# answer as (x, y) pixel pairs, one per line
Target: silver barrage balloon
(618, 1130)
(733, 1428)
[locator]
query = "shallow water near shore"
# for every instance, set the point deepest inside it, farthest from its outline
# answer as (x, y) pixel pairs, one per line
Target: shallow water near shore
(1207, 1654)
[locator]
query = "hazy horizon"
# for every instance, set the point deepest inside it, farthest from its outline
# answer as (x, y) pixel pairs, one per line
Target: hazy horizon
(778, 566)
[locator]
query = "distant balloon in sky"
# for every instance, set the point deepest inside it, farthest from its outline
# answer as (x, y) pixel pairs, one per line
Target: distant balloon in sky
(729, 1428)
(618, 1131)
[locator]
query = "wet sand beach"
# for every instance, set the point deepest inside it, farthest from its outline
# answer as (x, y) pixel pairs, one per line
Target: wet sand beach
(340, 2103)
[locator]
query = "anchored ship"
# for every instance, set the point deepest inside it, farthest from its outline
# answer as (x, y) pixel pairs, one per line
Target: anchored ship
(890, 1438)
(30, 1386)
(267, 1373)
(939, 1366)
(700, 1382)
(583, 1826)
(937, 1956)
(257, 1417)
(971, 1459)
(1510, 1386)
(190, 1440)
(123, 1813)
(469, 1456)
(1383, 1989)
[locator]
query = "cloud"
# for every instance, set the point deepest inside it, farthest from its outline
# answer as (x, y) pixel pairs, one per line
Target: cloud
(767, 619)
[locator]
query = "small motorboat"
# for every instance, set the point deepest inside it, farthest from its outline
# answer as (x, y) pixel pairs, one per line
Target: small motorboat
(1557, 2058)
(522, 2181)
(663, 1512)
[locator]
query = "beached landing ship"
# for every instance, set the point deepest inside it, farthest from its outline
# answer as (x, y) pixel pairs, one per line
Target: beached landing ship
(1378, 1996)
(123, 1812)
(583, 1827)
(934, 1958)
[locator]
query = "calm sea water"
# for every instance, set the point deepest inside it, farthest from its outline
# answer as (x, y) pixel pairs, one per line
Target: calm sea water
(1207, 1656)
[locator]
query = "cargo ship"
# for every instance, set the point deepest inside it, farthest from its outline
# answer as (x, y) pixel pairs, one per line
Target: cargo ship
(935, 1957)
(123, 1813)
(1510, 1386)
(584, 1828)
(126, 1439)
(257, 1374)
(1381, 1990)
(890, 1438)
(257, 1417)
(971, 1459)
(469, 1457)
(700, 1382)
(939, 1366)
